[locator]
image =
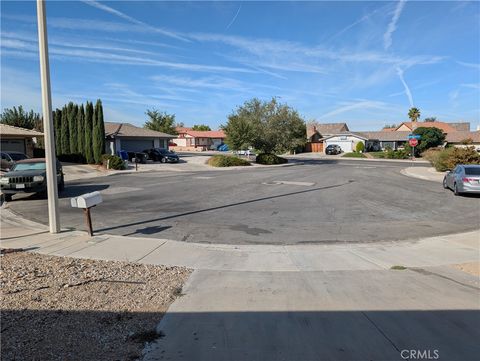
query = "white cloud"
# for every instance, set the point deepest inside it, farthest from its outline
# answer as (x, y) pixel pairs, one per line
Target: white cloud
(469, 65)
(234, 17)
(405, 85)
(112, 11)
(362, 104)
(392, 26)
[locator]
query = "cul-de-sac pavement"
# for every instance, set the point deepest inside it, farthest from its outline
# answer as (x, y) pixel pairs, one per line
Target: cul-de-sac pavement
(321, 259)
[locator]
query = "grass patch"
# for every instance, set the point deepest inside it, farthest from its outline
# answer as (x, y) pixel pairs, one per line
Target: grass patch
(221, 160)
(380, 154)
(354, 155)
(270, 159)
(398, 268)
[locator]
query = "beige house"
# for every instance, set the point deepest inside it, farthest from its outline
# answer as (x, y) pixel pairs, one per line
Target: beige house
(16, 139)
(128, 137)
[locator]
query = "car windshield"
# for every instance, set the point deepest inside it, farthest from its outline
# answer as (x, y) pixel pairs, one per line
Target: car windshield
(472, 170)
(29, 166)
(164, 151)
(17, 156)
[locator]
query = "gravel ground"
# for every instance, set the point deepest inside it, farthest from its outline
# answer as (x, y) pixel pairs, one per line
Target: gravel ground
(56, 308)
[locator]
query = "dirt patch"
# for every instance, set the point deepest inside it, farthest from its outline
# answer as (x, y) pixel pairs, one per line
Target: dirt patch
(58, 308)
(472, 268)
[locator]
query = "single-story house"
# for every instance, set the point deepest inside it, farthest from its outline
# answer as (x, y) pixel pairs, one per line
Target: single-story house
(347, 141)
(373, 141)
(317, 132)
(383, 140)
(196, 140)
(125, 136)
(464, 139)
(16, 139)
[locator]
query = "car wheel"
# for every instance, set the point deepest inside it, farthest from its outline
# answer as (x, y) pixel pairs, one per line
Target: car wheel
(445, 185)
(455, 190)
(163, 160)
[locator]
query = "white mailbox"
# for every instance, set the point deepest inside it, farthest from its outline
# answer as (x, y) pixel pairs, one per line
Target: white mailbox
(86, 200)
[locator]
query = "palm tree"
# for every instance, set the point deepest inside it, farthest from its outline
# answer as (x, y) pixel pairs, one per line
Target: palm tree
(414, 114)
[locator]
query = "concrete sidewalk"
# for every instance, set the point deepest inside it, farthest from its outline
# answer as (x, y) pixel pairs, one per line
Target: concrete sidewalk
(425, 173)
(435, 251)
(310, 302)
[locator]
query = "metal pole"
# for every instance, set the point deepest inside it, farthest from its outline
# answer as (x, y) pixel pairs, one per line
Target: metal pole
(50, 158)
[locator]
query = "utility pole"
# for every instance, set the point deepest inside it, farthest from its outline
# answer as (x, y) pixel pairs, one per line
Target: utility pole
(48, 133)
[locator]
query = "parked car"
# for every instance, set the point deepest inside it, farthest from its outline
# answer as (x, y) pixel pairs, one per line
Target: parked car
(140, 156)
(162, 155)
(9, 159)
(28, 176)
(333, 149)
(463, 179)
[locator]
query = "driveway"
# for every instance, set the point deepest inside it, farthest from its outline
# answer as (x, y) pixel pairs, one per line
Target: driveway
(322, 201)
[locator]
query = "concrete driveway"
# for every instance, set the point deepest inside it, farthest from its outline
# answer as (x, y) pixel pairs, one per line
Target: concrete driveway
(322, 201)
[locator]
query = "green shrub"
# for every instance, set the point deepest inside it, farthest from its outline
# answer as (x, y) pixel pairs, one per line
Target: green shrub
(354, 155)
(360, 147)
(113, 162)
(270, 159)
(448, 158)
(221, 160)
(397, 154)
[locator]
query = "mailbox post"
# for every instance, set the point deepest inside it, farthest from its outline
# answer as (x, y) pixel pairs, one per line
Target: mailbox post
(87, 201)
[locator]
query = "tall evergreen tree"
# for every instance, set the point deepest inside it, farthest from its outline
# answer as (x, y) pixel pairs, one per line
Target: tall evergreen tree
(72, 126)
(65, 134)
(81, 131)
(98, 132)
(89, 133)
(57, 124)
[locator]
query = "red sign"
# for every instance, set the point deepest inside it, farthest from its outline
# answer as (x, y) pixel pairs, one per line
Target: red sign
(413, 142)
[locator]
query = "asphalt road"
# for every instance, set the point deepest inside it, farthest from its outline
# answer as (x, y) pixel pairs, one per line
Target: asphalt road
(319, 202)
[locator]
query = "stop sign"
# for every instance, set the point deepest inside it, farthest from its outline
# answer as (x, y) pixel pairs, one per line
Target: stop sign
(413, 142)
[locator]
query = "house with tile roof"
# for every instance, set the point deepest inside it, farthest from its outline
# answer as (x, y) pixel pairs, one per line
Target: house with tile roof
(128, 137)
(317, 131)
(16, 139)
(197, 140)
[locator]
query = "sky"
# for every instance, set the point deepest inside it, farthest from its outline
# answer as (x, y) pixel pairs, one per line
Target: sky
(364, 63)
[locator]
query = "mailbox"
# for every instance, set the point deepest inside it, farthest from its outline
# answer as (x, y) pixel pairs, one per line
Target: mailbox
(86, 200)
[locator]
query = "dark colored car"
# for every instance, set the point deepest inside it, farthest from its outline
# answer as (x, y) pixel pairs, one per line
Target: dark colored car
(139, 156)
(162, 155)
(28, 176)
(333, 149)
(9, 159)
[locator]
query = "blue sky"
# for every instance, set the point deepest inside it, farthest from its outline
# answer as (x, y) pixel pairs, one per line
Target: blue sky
(364, 63)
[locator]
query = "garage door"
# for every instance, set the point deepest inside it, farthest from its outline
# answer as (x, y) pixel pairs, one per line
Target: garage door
(346, 145)
(13, 145)
(136, 145)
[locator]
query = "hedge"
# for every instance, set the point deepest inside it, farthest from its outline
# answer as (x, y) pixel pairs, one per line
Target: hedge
(270, 159)
(448, 158)
(113, 162)
(220, 160)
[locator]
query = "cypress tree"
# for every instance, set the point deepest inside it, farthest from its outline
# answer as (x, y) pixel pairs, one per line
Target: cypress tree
(89, 133)
(57, 124)
(98, 132)
(72, 126)
(65, 134)
(81, 131)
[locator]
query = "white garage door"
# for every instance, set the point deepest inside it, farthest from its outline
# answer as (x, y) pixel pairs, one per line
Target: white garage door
(13, 145)
(346, 145)
(136, 145)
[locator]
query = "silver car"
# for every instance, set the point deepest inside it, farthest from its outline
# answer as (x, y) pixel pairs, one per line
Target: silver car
(463, 179)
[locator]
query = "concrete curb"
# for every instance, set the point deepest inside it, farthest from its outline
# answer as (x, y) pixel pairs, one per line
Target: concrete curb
(432, 251)
(417, 161)
(412, 172)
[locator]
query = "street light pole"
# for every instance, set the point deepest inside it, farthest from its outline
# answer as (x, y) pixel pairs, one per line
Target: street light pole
(50, 158)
